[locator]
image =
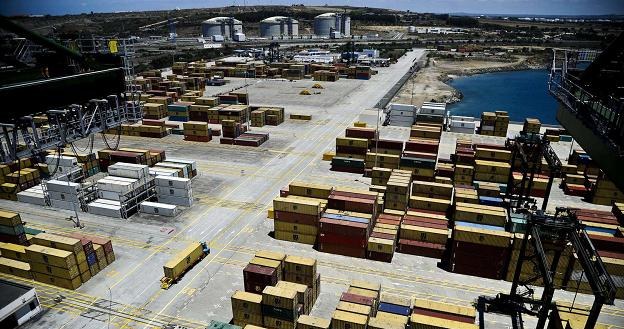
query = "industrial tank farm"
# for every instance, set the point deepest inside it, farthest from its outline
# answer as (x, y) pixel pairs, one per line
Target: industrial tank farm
(221, 26)
(328, 23)
(279, 26)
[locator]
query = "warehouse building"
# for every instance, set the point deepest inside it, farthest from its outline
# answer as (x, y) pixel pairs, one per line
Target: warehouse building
(278, 26)
(18, 304)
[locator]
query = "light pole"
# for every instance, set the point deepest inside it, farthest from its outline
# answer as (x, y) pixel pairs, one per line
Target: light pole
(110, 305)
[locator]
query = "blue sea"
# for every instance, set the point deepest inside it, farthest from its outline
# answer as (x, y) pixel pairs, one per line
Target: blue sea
(524, 94)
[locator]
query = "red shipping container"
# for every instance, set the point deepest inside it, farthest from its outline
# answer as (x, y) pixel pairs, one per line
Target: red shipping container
(425, 224)
(256, 278)
(351, 150)
(87, 244)
(489, 146)
(419, 146)
(443, 315)
(388, 144)
(611, 254)
(420, 155)
(351, 204)
(284, 192)
(479, 250)
(342, 250)
(383, 236)
(388, 221)
(421, 248)
(390, 216)
(357, 299)
(357, 132)
(353, 195)
(422, 219)
(159, 123)
(380, 256)
(607, 243)
(295, 218)
(340, 239)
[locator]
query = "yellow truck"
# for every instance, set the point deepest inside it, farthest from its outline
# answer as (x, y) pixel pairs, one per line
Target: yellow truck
(180, 263)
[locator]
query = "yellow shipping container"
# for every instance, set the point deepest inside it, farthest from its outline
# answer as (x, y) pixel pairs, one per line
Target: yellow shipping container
(300, 265)
(353, 142)
(9, 218)
(271, 263)
(445, 307)
(13, 251)
(278, 256)
(427, 234)
(483, 216)
(250, 326)
(304, 293)
(494, 154)
(85, 276)
(297, 206)
(59, 282)
(15, 267)
(385, 230)
(387, 226)
(183, 260)
(360, 284)
(385, 316)
(381, 245)
(419, 321)
(320, 191)
(295, 237)
(346, 320)
(396, 299)
(432, 188)
(363, 292)
(427, 215)
(55, 257)
(429, 203)
(312, 322)
(65, 273)
(246, 302)
(492, 167)
(481, 236)
(274, 323)
(295, 228)
(280, 297)
(354, 308)
(382, 158)
(376, 323)
(62, 243)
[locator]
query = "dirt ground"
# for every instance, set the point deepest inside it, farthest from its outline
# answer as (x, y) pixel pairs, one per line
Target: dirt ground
(428, 84)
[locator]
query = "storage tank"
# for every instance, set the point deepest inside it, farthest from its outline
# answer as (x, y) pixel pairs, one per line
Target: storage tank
(345, 25)
(277, 26)
(411, 29)
(225, 26)
(324, 24)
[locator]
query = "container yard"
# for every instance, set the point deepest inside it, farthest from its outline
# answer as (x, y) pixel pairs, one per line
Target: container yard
(286, 199)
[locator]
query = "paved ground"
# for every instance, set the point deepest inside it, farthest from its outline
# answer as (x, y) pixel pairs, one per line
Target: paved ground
(234, 189)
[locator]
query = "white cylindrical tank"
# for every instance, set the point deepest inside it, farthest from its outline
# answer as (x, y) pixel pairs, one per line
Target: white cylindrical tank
(345, 25)
(411, 29)
(225, 26)
(324, 24)
(278, 26)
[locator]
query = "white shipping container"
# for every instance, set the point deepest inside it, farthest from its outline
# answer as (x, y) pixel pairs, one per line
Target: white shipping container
(114, 186)
(175, 182)
(402, 107)
(104, 209)
(187, 202)
(461, 118)
(64, 204)
(31, 197)
(62, 186)
(462, 130)
(163, 172)
(156, 208)
(170, 165)
(463, 124)
(106, 201)
(178, 192)
(63, 161)
(63, 196)
(193, 163)
(487, 128)
(111, 195)
(128, 170)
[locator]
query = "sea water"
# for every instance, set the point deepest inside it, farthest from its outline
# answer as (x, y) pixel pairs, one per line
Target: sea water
(524, 94)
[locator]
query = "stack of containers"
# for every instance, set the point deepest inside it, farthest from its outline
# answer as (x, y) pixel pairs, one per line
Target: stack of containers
(492, 164)
(246, 309)
(428, 313)
(72, 245)
(54, 266)
(574, 184)
(431, 112)
(529, 270)
(354, 308)
(398, 190)
(275, 116)
(342, 320)
(311, 322)
(480, 250)
(189, 167)
(304, 295)
(605, 192)
(494, 123)
(258, 118)
(154, 111)
(465, 194)
(279, 308)
(423, 234)
(531, 126)
(480, 214)
(462, 175)
(296, 219)
(618, 212)
(431, 196)
(461, 124)
(90, 254)
(464, 153)
(14, 260)
(386, 146)
(61, 164)
(33, 195)
(260, 273)
(346, 230)
(350, 150)
(380, 177)
(390, 161)
(179, 111)
(63, 194)
(382, 242)
(402, 115)
(11, 228)
(195, 131)
(303, 270)
(105, 244)
(231, 129)
(174, 190)
(251, 139)
(394, 308)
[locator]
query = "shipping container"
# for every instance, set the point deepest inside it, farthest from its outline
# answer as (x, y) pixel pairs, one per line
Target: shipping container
(51, 256)
(312, 322)
(182, 261)
(15, 267)
(346, 320)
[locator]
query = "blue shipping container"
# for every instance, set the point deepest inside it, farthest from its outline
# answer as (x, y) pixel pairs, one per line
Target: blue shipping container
(591, 229)
(91, 259)
(395, 309)
(490, 201)
(347, 218)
